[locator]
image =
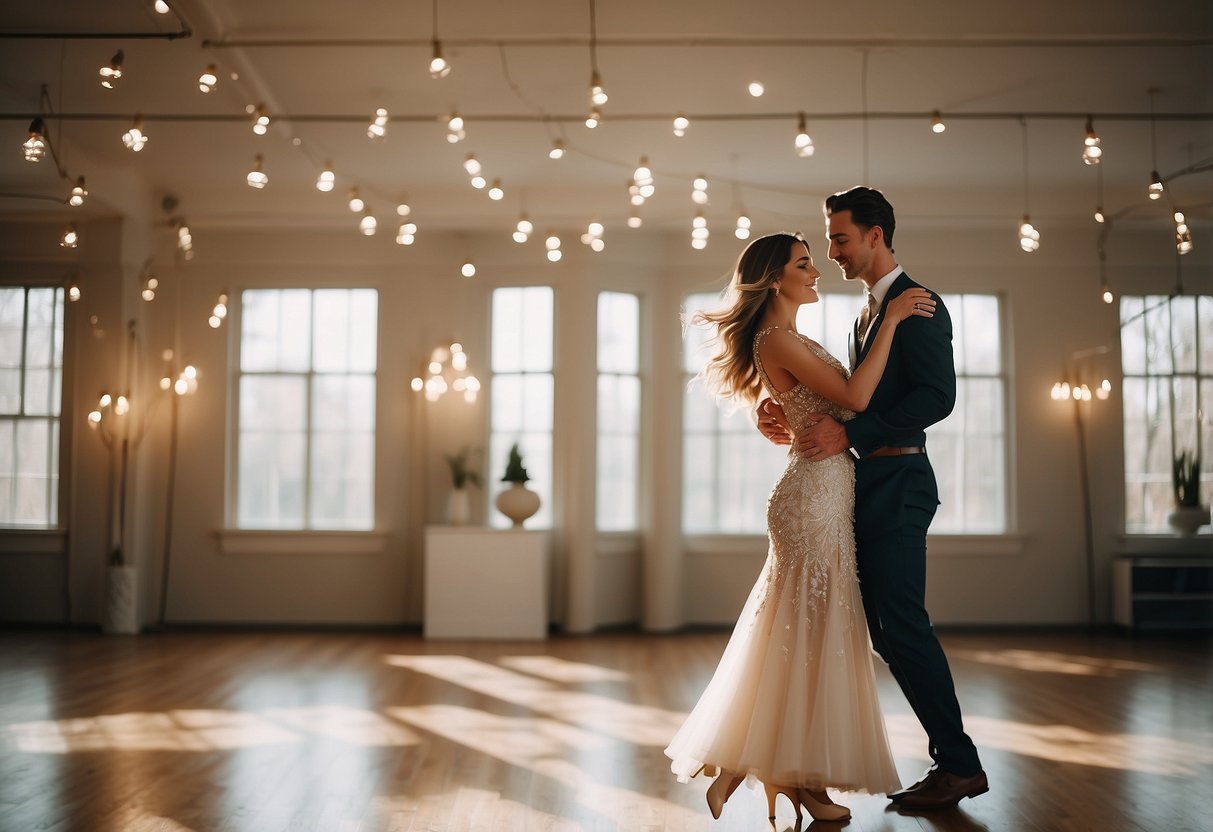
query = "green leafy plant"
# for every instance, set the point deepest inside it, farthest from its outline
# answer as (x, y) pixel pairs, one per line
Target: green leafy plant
(1185, 477)
(514, 472)
(461, 470)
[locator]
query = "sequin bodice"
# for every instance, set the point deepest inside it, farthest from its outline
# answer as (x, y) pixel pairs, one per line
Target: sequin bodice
(811, 509)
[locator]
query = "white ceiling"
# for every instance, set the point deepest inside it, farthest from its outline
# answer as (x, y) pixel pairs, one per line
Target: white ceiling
(1035, 57)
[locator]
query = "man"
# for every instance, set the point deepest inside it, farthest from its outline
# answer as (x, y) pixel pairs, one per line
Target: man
(895, 490)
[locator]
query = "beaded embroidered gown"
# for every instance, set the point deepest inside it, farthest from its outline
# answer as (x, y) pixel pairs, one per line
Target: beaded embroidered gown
(793, 700)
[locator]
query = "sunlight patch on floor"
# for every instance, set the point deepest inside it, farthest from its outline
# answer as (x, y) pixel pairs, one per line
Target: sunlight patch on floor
(561, 670)
(1038, 661)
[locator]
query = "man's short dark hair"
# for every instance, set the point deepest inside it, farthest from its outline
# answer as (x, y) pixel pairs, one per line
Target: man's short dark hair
(869, 209)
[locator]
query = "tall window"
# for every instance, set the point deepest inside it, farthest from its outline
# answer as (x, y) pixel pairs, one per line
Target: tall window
(306, 450)
(31, 382)
(618, 411)
(1166, 347)
(521, 392)
(729, 469)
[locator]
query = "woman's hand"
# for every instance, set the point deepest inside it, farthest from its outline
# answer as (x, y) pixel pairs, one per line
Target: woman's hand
(909, 303)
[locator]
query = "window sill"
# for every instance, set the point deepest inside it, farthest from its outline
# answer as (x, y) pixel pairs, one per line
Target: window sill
(938, 545)
(33, 541)
(1166, 544)
(277, 542)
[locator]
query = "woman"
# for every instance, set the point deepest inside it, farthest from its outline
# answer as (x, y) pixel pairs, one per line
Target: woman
(793, 701)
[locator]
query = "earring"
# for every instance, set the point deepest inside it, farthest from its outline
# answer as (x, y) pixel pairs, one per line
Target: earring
(776, 291)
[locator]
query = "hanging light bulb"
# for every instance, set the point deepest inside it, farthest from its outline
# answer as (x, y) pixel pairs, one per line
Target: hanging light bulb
(356, 203)
(73, 292)
(326, 179)
(403, 210)
(35, 146)
(552, 244)
(150, 284)
(439, 67)
(261, 120)
(70, 238)
(368, 225)
(160, 6)
(1106, 293)
(1156, 187)
(598, 95)
(699, 231)
(757, 89)
(495, 192)
(407, 234)
(219, 311)
(79, 192)
(1091, 151)
(468, 269)
(209, 78)
(111, 73)
(699, 191)
(1183, 234)
(642, 181)
(256, 177)
(593, 236)
(1099, 214)
(557, 151)
(937, 125)
(742, 232)
(593, 119)
(454, 128)
(803, 142)
(135, 138)
(471, 165)
(524, 229)
(681, 123)
(377, 129)
(185, 240)
(1029, 237)
(634, 218)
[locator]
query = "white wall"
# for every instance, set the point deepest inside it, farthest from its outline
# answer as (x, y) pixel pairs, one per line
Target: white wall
(1037, 576)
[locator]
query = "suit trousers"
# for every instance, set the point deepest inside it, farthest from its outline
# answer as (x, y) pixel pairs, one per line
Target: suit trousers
(892, 568)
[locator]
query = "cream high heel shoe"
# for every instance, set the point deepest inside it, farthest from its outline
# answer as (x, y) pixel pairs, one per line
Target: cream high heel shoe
(821, 807)
(773, 792)
(721, 789)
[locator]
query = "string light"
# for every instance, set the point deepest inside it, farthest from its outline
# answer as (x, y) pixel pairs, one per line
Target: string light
(356, 203)
(598, 95)
(1183, 234)
(757, 89)
(454, 129)
(594, 118)
(439, 68)
(71, 237)
(468, 269)
(552, 244)
(403, 210)
(557, 151)
(185, 240)
(377, 129)
(79, 192)
(937, 125)
(593, 236)
(261, 120)
(209, 78)
(135, 138)
(407, 234)
(803, 142)
(256, 177)
(150, 284)
(495, 192)
(35, 146)
(1156, 186)
(218, 312)
(1091, 151)
(160, 6)
(681, 123)
(742, 232)
(111, 73)
(368, 225)
(327, 179)
(73, 292)
(1099, 214)
(1155, 190)
(699, 191)
(634, 218)
(524, 229)
(642, 182)
(699, 231)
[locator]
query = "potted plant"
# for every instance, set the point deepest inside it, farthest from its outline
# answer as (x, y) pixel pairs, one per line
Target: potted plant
(517, 502)
(1189, 514)
(458, 504)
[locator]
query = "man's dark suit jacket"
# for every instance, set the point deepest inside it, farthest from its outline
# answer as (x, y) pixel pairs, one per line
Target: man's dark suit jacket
(917, 390)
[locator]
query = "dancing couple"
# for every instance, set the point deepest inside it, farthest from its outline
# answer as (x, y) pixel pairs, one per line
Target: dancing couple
(793, 702)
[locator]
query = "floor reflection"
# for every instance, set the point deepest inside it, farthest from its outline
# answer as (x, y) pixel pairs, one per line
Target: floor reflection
(1038, 661)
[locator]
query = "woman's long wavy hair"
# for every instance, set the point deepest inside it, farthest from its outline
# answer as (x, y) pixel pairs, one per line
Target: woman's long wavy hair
(731, 373)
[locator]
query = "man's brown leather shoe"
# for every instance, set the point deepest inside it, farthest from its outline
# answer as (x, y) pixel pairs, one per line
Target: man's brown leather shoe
(927, 779)
(944, 790)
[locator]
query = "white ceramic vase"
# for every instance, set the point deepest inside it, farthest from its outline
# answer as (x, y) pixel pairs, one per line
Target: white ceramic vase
(458, 507)
(518, 503)
(121, 600)
(1185, 520)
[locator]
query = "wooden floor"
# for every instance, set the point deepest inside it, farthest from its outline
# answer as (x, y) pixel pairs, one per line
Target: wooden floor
(361, 732)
